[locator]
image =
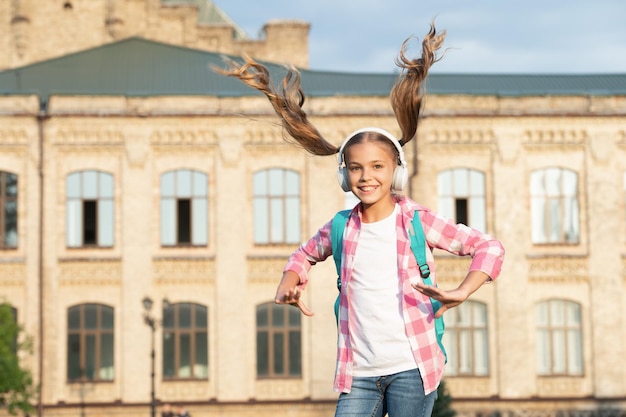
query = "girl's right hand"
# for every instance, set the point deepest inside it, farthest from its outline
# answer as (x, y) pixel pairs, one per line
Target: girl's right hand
(292, 296)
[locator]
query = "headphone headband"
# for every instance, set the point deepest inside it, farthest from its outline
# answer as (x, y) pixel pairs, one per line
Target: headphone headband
(383, 132)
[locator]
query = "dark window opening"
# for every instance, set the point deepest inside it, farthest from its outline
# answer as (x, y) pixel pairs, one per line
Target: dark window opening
(460, 206)
(90, 219)
(184, 221)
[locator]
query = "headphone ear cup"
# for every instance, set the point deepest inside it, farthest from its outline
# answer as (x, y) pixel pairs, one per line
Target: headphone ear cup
(342, 178)
(400, 178)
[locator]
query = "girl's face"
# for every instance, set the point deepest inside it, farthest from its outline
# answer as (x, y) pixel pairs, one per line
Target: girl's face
(370, 167)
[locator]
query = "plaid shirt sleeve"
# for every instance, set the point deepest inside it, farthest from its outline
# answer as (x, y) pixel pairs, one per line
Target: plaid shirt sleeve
(487, 253)
(315, 250)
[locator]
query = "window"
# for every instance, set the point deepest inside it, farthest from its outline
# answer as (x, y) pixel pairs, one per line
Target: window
(276, 206)
(466, 340)
(90, 343)
(278, 341)
(185, 341)
(184, 208)
(8, 210)
(90, 211)
(462, 196)
(559, 338)
(554, 206)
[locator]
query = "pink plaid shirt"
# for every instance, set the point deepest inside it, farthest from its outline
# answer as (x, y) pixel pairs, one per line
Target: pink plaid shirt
(487, 255)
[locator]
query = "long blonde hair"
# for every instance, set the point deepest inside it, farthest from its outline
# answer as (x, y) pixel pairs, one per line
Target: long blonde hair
(288, 99)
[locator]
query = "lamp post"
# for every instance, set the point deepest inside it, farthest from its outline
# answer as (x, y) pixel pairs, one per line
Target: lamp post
(152, 323)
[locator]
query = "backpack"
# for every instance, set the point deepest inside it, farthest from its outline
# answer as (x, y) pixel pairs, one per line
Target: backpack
(418, 246)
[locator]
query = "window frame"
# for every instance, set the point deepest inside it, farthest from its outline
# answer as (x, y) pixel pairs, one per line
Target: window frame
(83, 332)
(542, 203)
(172, 327)
(459, 184)
(272, 208)
(291, 358)
(458, 327)
(102, 199)
(566, 328)
(196, 193)
(5, 199)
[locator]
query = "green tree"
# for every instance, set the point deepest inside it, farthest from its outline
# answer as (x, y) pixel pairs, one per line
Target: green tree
(16, 383)
(443, 404)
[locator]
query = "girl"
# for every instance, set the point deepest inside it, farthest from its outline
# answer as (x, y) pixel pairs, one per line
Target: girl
(388, 358)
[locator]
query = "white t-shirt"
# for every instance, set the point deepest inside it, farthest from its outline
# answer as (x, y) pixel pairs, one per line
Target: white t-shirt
(377, 333)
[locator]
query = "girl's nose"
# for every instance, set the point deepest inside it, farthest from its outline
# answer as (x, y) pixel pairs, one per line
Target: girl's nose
(365, 174)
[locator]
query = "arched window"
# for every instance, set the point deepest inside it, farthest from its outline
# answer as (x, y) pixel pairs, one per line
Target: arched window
(462, 196)
(466, 340)
(559, 338)
(8, 210)
(279, 341)
(90, 351)
(276, 206)
(185, 341)
(90, 209)
(554, 206)
(184, 201)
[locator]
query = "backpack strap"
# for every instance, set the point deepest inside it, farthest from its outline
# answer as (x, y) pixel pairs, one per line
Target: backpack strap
(418, 245)
(336, 237)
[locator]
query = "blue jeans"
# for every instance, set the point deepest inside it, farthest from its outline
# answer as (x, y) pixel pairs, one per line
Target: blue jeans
(399, 395)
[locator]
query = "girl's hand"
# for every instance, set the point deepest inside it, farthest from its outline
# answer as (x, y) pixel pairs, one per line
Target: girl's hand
(292, 296)
(448, 299)
(453, 298)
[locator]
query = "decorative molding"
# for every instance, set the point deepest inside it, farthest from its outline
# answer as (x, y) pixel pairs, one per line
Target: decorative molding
(184, 271)
(260, 137)
(90, 272)
(181, 390)
(601, 144)
(621, 138)
(558, 269)
(469, 386)
(540, 137)
(277, 389)
(562, 386)
(460, 137)
(451, 269)
(183, 137)
(137, 147)
(12, 274)
(265, 270)
(88, 136)
(13, 137)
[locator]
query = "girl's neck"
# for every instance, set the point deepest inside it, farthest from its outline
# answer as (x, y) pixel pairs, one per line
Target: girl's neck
(378, 211)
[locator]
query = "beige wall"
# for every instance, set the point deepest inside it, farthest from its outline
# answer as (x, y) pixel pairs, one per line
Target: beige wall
(131, 139)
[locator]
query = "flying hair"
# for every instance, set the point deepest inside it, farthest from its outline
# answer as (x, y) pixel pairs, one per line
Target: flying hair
(288, 98)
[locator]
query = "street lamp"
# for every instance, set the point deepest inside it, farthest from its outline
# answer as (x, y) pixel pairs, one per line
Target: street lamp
(153, 323)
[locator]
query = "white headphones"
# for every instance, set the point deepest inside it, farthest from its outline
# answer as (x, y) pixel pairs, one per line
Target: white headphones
(400, 174)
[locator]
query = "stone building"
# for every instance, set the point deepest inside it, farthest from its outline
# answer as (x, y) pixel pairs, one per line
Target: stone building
(130, 170)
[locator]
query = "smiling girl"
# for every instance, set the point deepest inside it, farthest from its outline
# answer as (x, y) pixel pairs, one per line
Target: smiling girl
(388, 357)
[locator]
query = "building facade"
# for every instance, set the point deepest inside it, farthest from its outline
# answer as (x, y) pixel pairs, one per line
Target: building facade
(195, 201)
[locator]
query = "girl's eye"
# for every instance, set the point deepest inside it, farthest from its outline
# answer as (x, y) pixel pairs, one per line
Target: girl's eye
(353, 169)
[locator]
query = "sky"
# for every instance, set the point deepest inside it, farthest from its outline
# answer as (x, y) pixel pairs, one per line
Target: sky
(483, 36)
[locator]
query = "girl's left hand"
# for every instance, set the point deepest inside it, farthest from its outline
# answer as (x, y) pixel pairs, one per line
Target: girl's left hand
(448, 299)
(452, 298)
